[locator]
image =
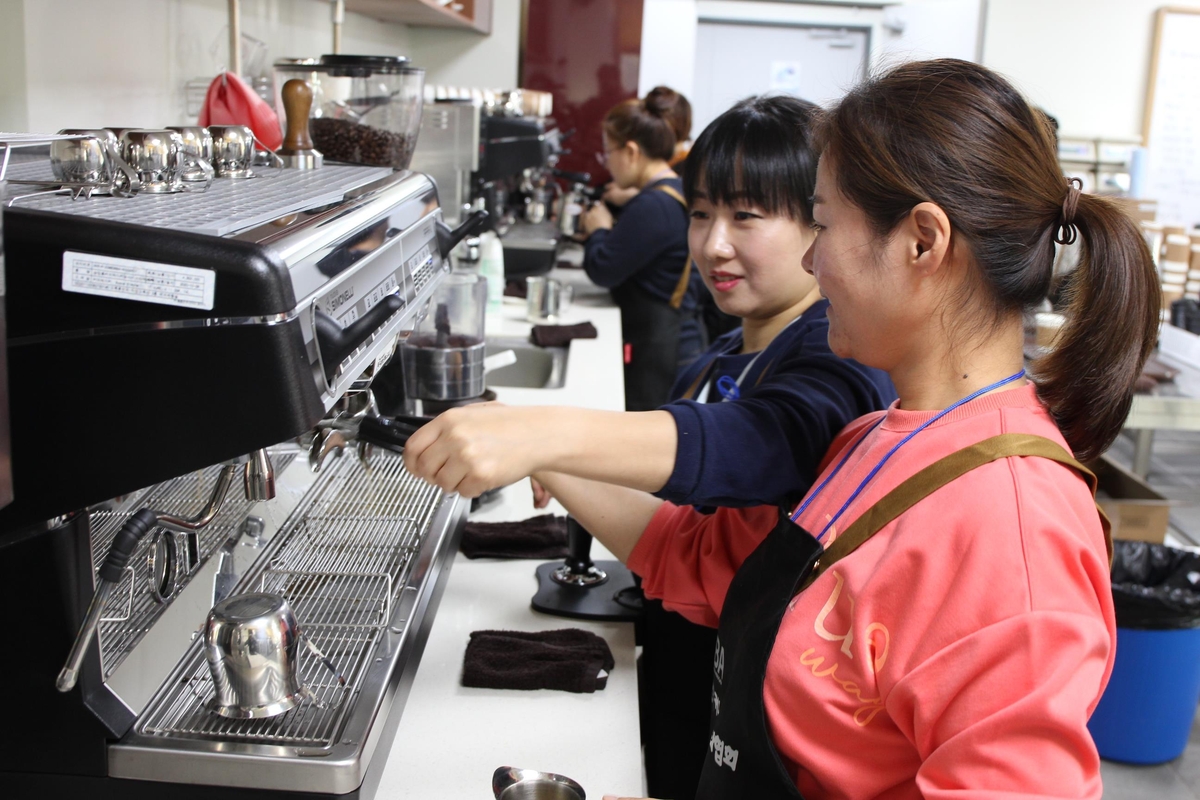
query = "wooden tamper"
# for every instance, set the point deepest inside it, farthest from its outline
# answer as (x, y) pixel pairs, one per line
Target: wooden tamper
(297, 151)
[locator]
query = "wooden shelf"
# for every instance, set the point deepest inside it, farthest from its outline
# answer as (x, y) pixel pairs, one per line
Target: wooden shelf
(468, 15)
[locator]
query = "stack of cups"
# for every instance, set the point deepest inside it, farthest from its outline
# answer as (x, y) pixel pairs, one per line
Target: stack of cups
(1173, 264)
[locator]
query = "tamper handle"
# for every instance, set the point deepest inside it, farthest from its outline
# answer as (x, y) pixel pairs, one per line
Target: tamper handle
(579, 547)
(297, 104)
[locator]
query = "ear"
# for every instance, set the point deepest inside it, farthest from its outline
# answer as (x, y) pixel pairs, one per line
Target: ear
(928, 231)
(632, 149)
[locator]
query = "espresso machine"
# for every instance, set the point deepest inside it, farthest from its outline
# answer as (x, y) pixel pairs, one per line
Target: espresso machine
(491, 157)
(196, 363)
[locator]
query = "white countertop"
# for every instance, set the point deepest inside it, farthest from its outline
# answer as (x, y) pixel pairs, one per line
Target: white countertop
(451, 738)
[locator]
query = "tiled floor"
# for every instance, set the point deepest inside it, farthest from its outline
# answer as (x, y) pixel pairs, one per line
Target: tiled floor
(1174, 471)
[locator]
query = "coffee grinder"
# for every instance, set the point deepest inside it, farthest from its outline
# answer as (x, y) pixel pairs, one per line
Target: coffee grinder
(443, 360)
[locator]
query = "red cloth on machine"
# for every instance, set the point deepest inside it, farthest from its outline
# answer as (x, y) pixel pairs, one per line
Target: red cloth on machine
(231, 102)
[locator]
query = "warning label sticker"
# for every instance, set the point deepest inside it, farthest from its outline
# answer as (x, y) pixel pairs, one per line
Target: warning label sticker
(143, 281)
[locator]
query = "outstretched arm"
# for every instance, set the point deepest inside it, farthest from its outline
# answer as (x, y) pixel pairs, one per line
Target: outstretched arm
(475, 448)
(615, 515)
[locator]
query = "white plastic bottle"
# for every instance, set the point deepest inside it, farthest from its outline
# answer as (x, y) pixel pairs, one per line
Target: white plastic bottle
(491, 266)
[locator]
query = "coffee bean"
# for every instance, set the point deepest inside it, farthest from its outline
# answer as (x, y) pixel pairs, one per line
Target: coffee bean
(351, 142)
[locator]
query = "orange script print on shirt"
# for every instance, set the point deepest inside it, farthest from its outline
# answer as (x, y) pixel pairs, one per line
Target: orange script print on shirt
(874, 650)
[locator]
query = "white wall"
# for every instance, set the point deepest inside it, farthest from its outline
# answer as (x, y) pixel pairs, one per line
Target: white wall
(461, 58)
(932, 29)
(128, 60)
(668, 46)
(14, 114)
(1084, 61)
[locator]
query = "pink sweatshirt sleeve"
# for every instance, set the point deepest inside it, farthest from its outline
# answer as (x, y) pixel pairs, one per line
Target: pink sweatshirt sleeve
(687, 559)
(1003, 712)
(1014, 723)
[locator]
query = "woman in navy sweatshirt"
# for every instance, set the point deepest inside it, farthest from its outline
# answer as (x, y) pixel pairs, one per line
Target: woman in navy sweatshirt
(642, 257)
(751, 418)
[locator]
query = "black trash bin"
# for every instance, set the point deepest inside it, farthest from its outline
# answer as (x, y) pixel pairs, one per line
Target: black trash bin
(1145, 714)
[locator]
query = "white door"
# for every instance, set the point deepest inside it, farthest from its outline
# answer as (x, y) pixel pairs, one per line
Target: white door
(735, 60)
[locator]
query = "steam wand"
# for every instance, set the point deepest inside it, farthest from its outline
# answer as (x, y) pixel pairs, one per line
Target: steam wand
(259, 479)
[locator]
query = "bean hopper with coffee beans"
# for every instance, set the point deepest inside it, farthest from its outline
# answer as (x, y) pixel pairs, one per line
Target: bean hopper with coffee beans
(364, 110)
(198, 361)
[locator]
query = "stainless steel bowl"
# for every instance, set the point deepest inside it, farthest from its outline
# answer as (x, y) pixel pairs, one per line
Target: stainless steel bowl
(156, 156)
(442, 373)
(511, 783)
(252, 645)
(233, 150)
(84, 160)
(197, 151)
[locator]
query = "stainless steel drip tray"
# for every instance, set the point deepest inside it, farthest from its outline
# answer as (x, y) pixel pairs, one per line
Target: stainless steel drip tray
(362, 560)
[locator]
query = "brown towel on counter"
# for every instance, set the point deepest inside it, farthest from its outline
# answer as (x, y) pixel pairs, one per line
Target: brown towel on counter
(569, 659)
(543, 536)
(561, 335)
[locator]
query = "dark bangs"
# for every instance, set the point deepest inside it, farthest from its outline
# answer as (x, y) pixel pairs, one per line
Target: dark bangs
(760, 152)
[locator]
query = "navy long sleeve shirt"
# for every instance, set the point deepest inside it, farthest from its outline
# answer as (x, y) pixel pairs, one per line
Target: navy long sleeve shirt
(647, 246)
(765, 448)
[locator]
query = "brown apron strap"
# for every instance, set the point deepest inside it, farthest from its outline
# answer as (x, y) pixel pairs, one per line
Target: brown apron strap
(942, 472)
(682, 286)
(672, 192)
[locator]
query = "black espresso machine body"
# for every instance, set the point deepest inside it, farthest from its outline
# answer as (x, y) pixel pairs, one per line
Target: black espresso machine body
(136, 367)
(151, 338)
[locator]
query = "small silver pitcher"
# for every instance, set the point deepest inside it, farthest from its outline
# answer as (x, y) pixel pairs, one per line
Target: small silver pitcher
(252, 644)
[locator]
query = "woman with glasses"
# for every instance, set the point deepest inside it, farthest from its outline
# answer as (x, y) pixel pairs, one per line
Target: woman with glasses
(642, 257)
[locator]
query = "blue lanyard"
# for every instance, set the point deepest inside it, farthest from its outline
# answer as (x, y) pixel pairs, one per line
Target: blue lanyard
(875, 470)
(730, 388)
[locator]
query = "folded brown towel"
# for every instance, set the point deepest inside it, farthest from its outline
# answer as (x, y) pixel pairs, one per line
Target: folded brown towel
(561, 335)
(543, 536)
(569, 659)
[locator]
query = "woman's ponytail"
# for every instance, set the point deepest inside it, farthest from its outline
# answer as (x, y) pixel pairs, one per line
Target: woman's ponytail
(656, 123)
(1112, 323)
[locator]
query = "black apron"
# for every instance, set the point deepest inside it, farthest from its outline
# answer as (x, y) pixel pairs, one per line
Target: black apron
(674, 677)
(650, 331)
(743, 761)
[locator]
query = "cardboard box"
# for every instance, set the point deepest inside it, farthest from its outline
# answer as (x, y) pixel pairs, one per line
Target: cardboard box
(1135, 510)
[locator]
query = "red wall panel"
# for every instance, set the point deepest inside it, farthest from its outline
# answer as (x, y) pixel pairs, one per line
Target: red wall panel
(586, 53)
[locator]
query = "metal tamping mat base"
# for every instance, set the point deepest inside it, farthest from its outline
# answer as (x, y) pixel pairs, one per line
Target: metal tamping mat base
(616, 600)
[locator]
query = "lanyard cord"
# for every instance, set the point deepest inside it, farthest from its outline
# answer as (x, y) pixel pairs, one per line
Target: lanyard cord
(729, 388)
(875, 470)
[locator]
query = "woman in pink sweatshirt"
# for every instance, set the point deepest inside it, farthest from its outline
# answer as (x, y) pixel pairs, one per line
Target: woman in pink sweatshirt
(958, 651)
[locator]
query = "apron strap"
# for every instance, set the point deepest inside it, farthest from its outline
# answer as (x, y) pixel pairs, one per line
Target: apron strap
(682, 286)
(693, 389)
(942, 472)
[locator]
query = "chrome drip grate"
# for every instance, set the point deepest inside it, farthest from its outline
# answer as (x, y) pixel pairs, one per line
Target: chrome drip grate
(132, 608)
(227, 206)
(342, 559)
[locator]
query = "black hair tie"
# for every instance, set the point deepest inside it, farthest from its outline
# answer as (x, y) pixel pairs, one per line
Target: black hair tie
(1067, 233)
